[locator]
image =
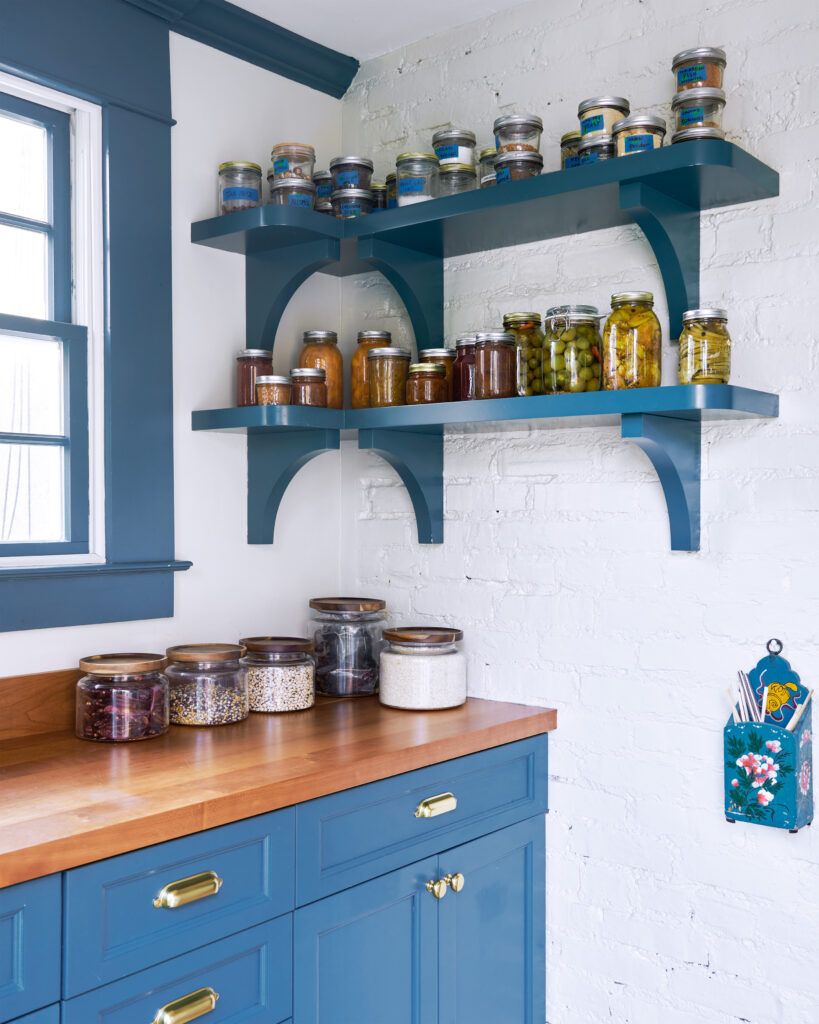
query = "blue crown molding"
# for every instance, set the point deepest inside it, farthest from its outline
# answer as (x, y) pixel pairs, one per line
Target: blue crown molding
(258, 41)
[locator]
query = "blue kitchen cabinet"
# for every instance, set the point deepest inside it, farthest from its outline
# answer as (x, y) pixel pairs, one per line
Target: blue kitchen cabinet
(29, 946)
(50, 1015)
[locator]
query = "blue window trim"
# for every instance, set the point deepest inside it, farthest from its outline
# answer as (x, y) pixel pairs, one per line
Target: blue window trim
(117, 56)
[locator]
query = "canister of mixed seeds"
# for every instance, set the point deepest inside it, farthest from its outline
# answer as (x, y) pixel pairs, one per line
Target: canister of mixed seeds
(207, 684)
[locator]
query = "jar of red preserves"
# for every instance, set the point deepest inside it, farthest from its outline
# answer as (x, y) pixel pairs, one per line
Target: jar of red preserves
(426, 383)
(463, 372)
(495, 365)
(251, 363)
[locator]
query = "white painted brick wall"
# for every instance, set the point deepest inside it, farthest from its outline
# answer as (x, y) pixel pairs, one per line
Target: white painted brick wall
(556, 559)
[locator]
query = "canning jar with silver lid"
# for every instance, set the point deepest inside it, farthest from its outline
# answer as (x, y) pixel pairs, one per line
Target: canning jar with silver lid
(700, 107)
(351, 172)
(417, 177)
(378, 191)
(349, 203)
(455, 178)
(297, 192)
(693, 134)
(518, 133)
(704, 347)
(597, 114)
(292, 160)
(515, 166)
(638, 133)
(495, 365)
(701, 65)
(423, 668)
(454, 146)
(240, 186)
(594, 148)
(569, 142)
(486, 172)
(323, 181)
(308, 386)
(392, 190)
(273, 389)
(387, 369)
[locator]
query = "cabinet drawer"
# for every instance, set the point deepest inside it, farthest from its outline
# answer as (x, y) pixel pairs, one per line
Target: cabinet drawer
(113, 927)
(249, 972)
(50, 1015)
(348, 837)
(30, 918)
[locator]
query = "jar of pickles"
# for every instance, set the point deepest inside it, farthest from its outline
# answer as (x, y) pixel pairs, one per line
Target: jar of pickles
(250, 363)
(486, 171)
(444, 357)
(463, 372)
(572, 350)
(426, 383)
(527, 331)
(388, 368)
(240, 186)
(308, 387)
(360, 369)
(207, 684)
(271, 389)
(495, 365)
(121, 698)
(705, 347)
(321, 351)
(632, 343)
(518, 133)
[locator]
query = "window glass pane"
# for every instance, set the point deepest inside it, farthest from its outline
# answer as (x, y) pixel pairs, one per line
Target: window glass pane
(23, 169)
(31, 385)
(31, 493)
(23, 272)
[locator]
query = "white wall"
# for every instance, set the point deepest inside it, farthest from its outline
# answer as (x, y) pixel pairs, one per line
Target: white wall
(556, 558)
(225, 109)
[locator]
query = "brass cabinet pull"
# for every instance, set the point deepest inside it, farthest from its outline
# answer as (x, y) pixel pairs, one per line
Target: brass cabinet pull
(455, 882)
(437, 886)
(186, 1008)
(188, 890)
(435, 805)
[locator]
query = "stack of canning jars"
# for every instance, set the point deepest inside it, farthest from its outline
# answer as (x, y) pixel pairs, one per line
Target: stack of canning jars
(290, 177)
(351, 194)
(517, 140)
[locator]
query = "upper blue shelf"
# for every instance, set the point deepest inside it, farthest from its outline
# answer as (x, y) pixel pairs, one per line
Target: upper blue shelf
(698, 175)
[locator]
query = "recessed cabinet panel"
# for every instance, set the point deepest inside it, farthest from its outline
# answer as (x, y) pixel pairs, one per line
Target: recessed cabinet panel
(30, 918)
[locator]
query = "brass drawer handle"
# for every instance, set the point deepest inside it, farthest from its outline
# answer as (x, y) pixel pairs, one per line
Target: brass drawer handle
(186, 1008)
(435, 805)
(188, 890)
(455, 882)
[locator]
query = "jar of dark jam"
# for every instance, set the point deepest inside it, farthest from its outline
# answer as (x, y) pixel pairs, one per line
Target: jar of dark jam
(463, 372)
(251, 363)
(444, 357)
(426, 383)
(346, 632)
(308, 386)
(121, 698)
(495, 365)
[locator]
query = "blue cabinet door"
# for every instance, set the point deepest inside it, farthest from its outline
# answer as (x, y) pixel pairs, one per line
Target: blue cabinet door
(30, 918)
(492, 933)
(50, 1015)
(369, 955)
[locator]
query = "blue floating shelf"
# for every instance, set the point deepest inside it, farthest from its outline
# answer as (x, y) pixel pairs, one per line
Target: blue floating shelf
(664, 422)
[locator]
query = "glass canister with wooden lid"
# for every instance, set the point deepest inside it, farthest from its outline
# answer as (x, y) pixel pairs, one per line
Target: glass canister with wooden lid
(346, 632)
(705, 347)
(528, 333)
(423, 668)
(121, 698)
(359, 367)
(207, 684)
(321, 351)
(280, 673)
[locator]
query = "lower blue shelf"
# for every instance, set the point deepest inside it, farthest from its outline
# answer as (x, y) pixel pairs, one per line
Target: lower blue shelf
(664, 422)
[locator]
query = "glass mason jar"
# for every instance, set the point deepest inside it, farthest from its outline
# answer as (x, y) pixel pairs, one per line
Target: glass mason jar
(528, 334)
(632, 343)
(705, 347)
(122, 698)
(346, 632)
(594, 148)
(463, 372)
(378, 190)
(698, 108)
(638, 133)
(456, 178)
(323, 181)
(426, 383)
(568, 148)
(292, 160)
(250, 363)
(240, 186)
(280, 672)
(486, 171)
(359, 367)
(295, 192)
(417, 177)
(597, 114)
(272, 389)
(423, 668)
(518, 133)
(321, 351)
(693, 134)
(349, 203)
(207, 684)
(392, 190)
(454, 146)
(702, 65)
(517, 166)
(388, 368)
(444, 357)
(308, 387)
(572, 350)
(495, 365)
(351, 172)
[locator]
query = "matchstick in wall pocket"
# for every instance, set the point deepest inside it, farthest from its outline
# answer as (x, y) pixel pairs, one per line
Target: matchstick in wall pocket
(769, 747)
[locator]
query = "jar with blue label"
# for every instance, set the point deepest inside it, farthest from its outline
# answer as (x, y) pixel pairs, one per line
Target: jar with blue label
(392, 190)
(486, 171)
(639, 133)
(569, 142)
(348, 203)
(292, 160)
(323, 181)
(698, 108)
(351, 172)
(417, 177)
(454, 146)
(240, 186)
(598, 114)
(595, 148)
(517, 166)
(518, 133)
(293, 192)
(701, 65)
(379, 194)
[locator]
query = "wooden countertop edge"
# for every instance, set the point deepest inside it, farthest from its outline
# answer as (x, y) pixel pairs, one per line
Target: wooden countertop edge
(146, 828)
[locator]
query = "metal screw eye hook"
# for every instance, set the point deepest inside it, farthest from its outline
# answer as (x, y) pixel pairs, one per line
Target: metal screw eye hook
(780, 646)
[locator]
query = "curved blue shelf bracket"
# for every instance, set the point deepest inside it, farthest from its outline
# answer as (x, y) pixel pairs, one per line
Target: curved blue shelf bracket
(271, 281)
(418, 458)
(673, 445)
(672, 229)
(273, 459)
(418, 277)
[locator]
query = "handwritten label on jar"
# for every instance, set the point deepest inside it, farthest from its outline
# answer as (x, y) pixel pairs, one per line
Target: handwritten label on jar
(411, 186)
(324, 191)
(503, 174)
(691, 115)
(694, 73)
(305, 202)
(590, 158)
(392, 203)
(280, 165)
(638, 143)
(236, 194)
(595, 123)
(347, 179)
(350, 209)
(571, 161)
(446, 152)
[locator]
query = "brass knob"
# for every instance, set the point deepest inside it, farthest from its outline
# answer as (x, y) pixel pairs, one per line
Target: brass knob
(437, 887)
(455, 882)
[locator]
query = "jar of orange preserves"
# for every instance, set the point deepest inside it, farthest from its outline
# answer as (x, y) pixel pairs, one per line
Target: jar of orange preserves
(321, 352)
(359, 368)
(426, 383)
(443, 357)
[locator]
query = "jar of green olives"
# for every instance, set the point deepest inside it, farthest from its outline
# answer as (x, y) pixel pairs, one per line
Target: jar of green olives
(571, 350)
(632, 343)
(528, 334)
(705, 347)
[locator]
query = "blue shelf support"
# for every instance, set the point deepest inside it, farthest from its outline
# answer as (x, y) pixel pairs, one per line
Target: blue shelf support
(673, 445)
(273, 459)
(271, 280)
(418, 277)
(672, 229)
(418, 458)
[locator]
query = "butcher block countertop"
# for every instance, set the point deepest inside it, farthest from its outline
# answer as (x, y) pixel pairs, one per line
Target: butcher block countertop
(65, 802)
